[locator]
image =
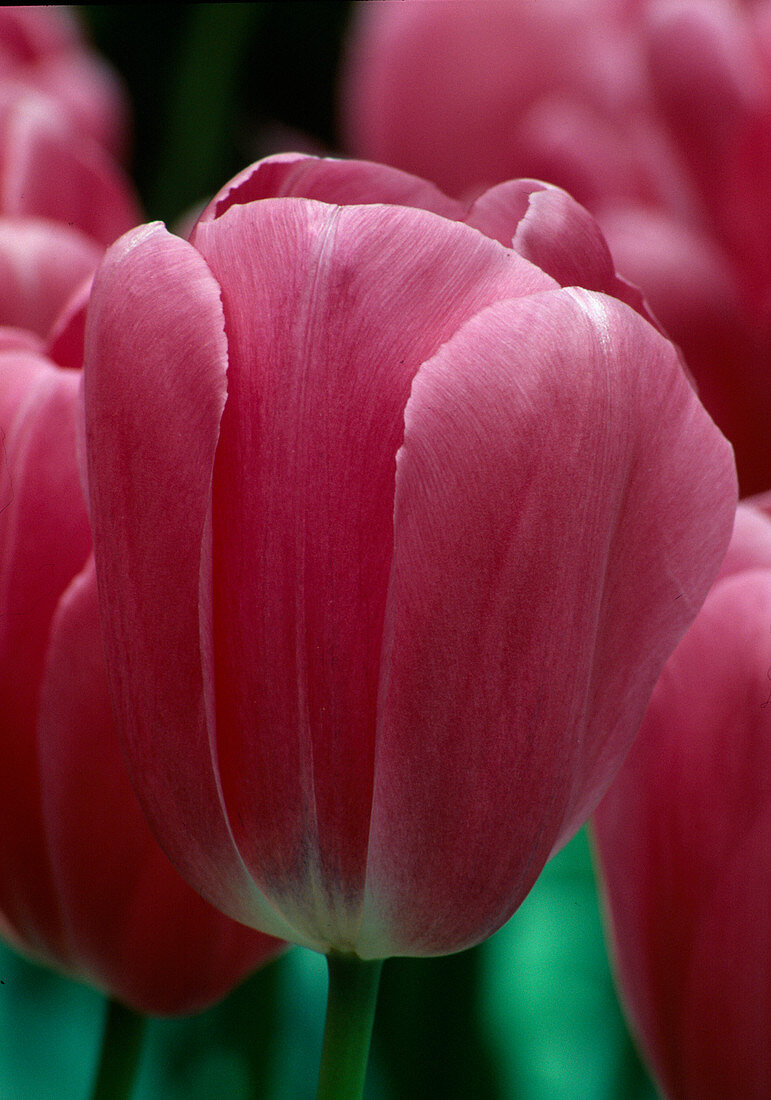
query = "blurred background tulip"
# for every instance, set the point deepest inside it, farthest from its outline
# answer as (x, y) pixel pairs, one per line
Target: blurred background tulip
(43, 48)
(655, 114)
(50, 169)
(684, 840)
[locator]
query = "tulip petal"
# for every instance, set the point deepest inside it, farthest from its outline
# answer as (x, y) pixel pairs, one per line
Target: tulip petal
(556, 465)
(751, 542)
(727, 1005)
(155, 387)
(66, 339)
(41, 264)
(545, 225)
(439, 89)
(110, 873)
(20, 339)
(326, 179)
(687, 813)
(321, 362)
(692, 287)
(48, 169)
(44, 538)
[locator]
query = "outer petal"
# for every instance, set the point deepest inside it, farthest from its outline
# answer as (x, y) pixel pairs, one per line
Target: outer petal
(321, 362)
(329, 180)
(682, 837)
(562, 504)
(132, 925)
(41, 264)
(44, 539)
(545, 225)
(154, 392)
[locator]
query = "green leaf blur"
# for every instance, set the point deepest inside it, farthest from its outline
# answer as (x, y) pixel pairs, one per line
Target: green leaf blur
(529, 1015)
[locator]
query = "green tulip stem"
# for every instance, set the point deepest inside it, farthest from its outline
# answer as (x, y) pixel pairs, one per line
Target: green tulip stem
(351, 1001)
(121, 1051)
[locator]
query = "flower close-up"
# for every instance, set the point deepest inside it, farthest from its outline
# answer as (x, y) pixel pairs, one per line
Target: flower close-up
(398, 511)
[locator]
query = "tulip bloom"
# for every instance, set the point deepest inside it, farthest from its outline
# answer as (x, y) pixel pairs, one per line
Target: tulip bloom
(42, 49)
(62, 201)
(84, 887)
(393, 536)
(42, 264)
(684, 842)
(49, 169)
(655, 115)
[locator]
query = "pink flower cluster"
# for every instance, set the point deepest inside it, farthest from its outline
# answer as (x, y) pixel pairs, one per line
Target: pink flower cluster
(348, 542)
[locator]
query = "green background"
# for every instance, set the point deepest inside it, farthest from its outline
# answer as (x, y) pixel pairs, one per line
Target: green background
(529, 1014)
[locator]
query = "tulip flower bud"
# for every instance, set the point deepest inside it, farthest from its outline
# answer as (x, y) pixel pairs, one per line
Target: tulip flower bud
(393, 532)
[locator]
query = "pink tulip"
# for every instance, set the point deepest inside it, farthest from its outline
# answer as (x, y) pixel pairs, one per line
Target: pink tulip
(49, 169)
(42, 48)
(84, 886)
(62, 200)
(42, 264)
(684, 843)
(464, 94)
(656, 114)
(393, 536)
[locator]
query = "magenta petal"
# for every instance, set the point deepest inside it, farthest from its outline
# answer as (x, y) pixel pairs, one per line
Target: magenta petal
(20, 339)
(321, 362)
(132, 925)
(727, 1008)
(92, 96)
(155, 387)
(546, 226)
(683, 838)
(498, 212)
(49, 169)
(343, 182)
(562, 504)
(66, 339)
(41, 264)
(440, 88)
(750, 546)
(707, 73)
(45, 540)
